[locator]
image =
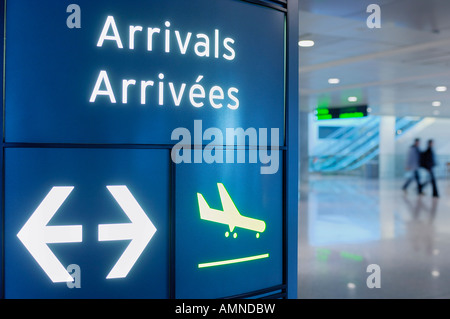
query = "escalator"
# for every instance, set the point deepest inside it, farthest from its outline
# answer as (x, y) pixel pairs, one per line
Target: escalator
(356, 146)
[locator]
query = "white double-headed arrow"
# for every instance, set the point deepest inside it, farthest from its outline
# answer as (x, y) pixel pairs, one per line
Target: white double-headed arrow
(139, 231)
(35, 234)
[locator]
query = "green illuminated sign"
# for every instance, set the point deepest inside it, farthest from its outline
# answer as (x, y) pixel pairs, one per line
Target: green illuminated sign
(324, 117)
(355, 257)
(322, 111)
(351, 115)
(323, 254)
(232, 261)
(229, 216)
(341, 113)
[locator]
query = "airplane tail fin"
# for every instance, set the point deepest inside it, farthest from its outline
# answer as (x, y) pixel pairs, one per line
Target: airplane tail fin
(211, 214)
(203, 206)
(235, 217)
(227, 202)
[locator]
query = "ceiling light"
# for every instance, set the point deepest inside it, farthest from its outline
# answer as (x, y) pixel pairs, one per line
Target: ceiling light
(369, 110)
(436, 103)
(306, 43)
(333, 80)
(441, 88)
(352, 99)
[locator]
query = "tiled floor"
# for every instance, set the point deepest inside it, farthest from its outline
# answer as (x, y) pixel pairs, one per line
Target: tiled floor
(349, 223)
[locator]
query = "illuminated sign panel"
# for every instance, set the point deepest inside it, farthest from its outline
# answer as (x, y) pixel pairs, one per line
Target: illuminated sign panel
(106, 195)
(104, 211)
(341, 113)
(135, 70)
(229, 230)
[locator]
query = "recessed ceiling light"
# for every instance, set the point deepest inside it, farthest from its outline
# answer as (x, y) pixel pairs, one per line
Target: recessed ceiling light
(351, 285)
(333, 80)
(441, 88)
(352, 99)
(306, 43)
(435, 273)
(436, 103)
(369, 110)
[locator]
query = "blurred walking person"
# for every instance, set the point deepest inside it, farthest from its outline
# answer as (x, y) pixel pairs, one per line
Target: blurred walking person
(428, 161)
(412, 166)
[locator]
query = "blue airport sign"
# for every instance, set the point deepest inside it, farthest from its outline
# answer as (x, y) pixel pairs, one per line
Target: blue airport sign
(229, 232)
(86, 223)
(106, 192)
(132, 71)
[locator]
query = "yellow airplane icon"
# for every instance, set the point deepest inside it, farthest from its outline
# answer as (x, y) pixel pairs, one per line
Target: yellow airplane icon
(230, 215)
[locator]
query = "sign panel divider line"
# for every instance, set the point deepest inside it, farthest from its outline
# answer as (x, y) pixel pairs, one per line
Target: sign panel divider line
(134, 146)
(3, 263)
(2, 163)
(172, 233)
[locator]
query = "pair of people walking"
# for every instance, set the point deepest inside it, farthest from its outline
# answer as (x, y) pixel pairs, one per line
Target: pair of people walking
(417, 159)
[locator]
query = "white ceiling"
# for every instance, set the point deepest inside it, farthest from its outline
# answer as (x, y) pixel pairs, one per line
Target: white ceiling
(394, 69)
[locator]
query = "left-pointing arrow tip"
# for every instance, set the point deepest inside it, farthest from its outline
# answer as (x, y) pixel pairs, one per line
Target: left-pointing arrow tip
(35, 234)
